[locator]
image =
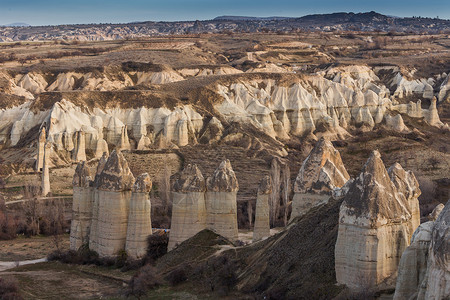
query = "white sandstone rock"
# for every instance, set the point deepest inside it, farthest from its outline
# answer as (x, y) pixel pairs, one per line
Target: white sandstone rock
(139, 218)
(189, 207)
(221, 205)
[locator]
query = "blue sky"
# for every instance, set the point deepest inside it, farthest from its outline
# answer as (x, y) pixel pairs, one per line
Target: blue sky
(49, 12)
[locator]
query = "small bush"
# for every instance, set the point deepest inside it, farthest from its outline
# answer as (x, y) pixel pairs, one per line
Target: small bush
(9, 289)
(145, 280)
(156, 246)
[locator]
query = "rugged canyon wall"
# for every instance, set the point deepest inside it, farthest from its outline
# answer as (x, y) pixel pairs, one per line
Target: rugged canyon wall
(189, 207)
(221, 205)
(375, 226)
(320, 173)
(139, 225)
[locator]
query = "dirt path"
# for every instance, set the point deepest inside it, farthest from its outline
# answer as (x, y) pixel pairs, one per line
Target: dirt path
(6, 265)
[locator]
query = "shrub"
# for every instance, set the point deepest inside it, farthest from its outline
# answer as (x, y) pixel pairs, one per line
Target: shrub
(146, 279)
(9, 289)
(156, 246)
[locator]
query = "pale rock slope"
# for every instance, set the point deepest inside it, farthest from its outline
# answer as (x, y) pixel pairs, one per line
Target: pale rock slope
(321, 172)
(375, 226)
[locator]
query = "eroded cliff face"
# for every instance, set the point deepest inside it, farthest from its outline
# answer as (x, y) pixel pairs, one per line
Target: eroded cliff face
(375, 225)
(329, 104)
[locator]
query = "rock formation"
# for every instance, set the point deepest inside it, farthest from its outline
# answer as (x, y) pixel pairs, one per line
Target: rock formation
(221, 206)
(79, 153)
(261, 229)
(189, 208)
(438, 265)
(321, 172)
(45, 172)
(406, 184)
(375, 226)
(124, 142)
(114, 192)
(423, 272)
(83, 197)
(102, 147)
(139, 218)
(93, 235)
(40, 150)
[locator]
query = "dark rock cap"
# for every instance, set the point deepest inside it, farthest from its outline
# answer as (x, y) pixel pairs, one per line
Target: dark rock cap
(82, 176)
(191, 180)
(223, 179)
(372, 194)
(116, 175)
(143, 184)
(265, 185)
(322, 171)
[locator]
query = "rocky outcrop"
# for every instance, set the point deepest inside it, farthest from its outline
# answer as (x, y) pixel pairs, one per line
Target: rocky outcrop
(139, 218)
(189, 208)
(45, 184)
(83, 198)
(114, 192)
(320, 173)
(375, 227)
(423, 272)
(221, 206)
(261, 229)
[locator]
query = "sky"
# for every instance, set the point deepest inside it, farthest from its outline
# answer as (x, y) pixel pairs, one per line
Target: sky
(53, 12)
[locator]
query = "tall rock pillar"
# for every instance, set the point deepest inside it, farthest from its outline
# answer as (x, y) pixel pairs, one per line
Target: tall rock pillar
(45, 172)
(261, 229)
(80, 148)
(114, 192)
(374, 228)
(221, 206)
(139, 218)
(189, 208)
(82, 206)
(40, 150)
(93, 235)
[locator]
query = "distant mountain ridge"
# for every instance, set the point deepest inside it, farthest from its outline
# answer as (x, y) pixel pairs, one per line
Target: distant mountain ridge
(340, 21)
(18, 24)
(246, 18)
